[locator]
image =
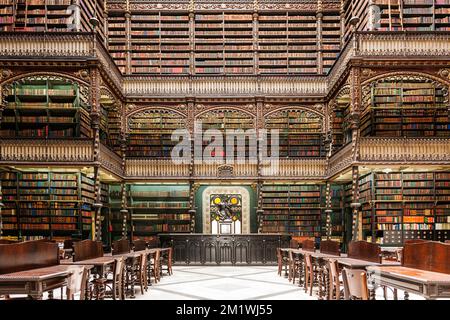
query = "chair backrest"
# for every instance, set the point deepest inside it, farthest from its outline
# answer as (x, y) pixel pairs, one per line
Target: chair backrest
(68, 243)
(308, 261)
(87, 249)
(77, 281)
(364, 250)
(427, 255)
(139, 245)
(4, 241)
(334, 270)
(153, 242)
(355, 284)
(143, 262)
(330, 247)
(291, 256)
(28, 255)
(308, 245)
(121, 246)
(294, 244)
(119, 264)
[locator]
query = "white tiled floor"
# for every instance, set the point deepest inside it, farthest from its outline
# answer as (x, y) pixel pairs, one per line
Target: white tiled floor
(229, 283)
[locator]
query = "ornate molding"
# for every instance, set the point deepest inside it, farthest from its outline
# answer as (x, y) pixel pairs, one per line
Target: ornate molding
(445, 74)
(5, 74)
(202, 109)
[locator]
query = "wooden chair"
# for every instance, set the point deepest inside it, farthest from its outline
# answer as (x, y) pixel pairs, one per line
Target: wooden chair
(116, 285)
(309, 274)
(294, 268)
(121, 246)
(335, 283)
(141, 273)
(139, 245)
(355, 284)
(78, 282)
(166, 260)
(154, 266)
(282, 261)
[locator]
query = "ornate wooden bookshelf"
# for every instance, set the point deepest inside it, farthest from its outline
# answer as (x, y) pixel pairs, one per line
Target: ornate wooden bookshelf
(228, 119)
(45, 108)
(150, 133)
(300, 133)
(414, 15)
(52, 204)
(159, 209)
(405, 107)
(295, 209)
(7, 13)
(400, 206)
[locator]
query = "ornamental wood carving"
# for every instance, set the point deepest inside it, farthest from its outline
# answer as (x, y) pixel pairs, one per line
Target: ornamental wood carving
(249, 109)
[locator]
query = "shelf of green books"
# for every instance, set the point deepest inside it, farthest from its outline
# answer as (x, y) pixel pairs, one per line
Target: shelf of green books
(45, 108)
(159, 208)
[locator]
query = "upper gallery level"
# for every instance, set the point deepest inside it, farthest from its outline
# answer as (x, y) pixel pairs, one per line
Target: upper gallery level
(180, 39)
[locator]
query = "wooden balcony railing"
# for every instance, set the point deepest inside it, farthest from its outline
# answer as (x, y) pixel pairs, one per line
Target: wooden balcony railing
(214, 170)
(403, 43)
(41, 45)
(110, 160)
(155, 168)
(223, 85)
(295, 168)
(404, 149)
(58, 150)
(340, 160)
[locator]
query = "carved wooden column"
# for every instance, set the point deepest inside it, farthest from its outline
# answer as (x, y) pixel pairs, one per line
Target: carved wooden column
(105, 24)
(328, 210)
(2, 102)
(319, 17)
(193, 188)
(190, 103)
(259, 126)
(77, 19)
(95, 124)
(1, 207)
(123, 191)
(128, 39)
(355, 103)
(342, 16)
(191, 38)
(255, 37)
(2, 107)
(373, 16)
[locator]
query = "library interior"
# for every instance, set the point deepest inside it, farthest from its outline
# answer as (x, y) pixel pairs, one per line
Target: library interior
(349, 99)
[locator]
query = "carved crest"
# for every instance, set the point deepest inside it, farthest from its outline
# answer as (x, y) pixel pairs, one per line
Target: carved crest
(225, 171)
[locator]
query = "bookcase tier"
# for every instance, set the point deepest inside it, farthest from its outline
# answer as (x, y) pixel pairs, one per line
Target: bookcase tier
(47, 108)
(53, 204)
(404, 203)
(405, 107)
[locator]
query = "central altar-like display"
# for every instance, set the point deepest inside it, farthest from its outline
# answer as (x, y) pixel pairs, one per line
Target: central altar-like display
(237, 249)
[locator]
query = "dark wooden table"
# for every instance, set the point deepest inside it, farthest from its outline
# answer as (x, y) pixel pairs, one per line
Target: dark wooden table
(131, 263)
(353, 263)
(428, 284)
(35, 282)
(320, 261)
(99, 265)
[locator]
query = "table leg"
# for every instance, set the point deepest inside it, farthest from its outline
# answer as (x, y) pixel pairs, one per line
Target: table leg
(133, 280)
(50, 294)
(101, 291)
(286, 275)
(395, 294)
